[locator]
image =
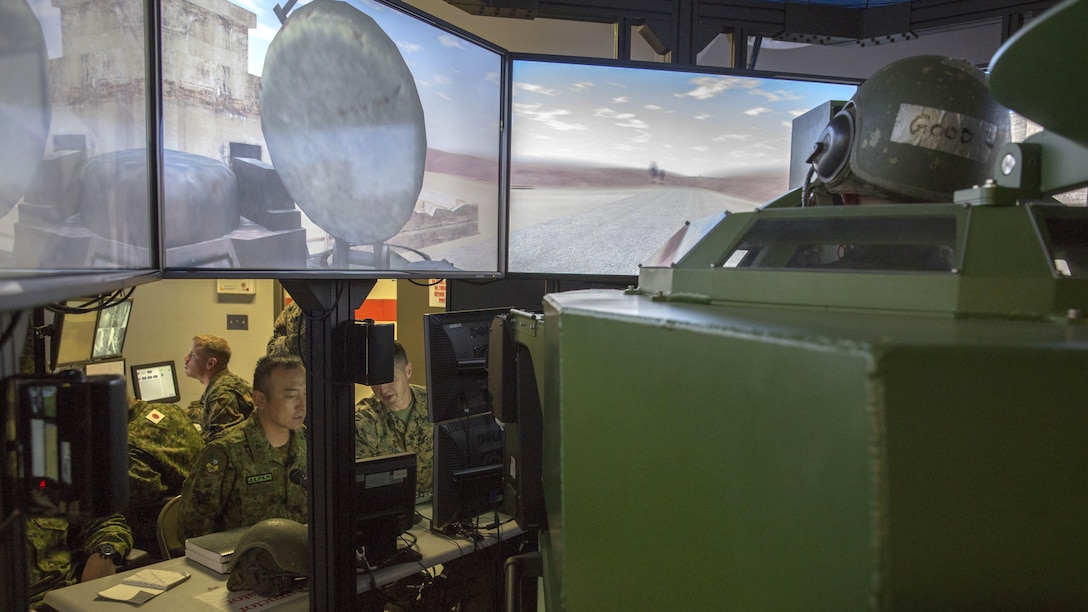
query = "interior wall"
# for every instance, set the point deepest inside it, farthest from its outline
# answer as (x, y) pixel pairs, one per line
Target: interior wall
(168, 313)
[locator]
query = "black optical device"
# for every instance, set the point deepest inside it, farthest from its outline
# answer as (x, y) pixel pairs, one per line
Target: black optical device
(64, 443)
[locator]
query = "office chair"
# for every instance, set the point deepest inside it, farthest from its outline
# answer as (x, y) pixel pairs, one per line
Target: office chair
(166, 528)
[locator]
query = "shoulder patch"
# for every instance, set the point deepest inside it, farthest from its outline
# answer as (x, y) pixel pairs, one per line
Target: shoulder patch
(155, 416)
(215, 460)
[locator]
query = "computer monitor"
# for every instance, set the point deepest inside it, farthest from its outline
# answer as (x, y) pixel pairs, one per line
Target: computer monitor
(110, 330)
(456, 344)
(384, 506)
(73, 339)
(156, 382)
(468, 462)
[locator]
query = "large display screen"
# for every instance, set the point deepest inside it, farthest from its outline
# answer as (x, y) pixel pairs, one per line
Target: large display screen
(348, 137)
(607, 161)
(74, 181)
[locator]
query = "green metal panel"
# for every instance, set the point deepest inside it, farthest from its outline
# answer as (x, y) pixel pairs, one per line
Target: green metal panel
(708, 457)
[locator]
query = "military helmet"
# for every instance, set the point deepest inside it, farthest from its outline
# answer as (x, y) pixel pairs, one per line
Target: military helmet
(271, 559)
(916, 131)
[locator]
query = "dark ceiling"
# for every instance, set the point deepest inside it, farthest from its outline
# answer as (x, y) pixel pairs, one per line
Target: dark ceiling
(682, 28)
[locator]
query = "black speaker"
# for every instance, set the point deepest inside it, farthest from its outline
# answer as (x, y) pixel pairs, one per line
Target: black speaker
(501, 382)
(523, 489)
(363, 352)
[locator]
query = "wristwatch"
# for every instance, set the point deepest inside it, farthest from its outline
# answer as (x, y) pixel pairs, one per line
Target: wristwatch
(108, 551)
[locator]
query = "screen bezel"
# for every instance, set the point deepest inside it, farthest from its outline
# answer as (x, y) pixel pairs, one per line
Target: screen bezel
(135, 376)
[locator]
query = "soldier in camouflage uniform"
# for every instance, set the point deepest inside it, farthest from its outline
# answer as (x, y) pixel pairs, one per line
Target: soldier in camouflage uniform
(395, 420)
(258, 470)
(56, 547)
(227, 399)
(289, 332)
(162, 446)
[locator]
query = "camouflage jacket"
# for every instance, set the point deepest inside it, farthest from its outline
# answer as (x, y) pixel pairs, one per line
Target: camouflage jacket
(289, 332)
(379, 432)
(227, 400)
(162, 446)
(239, 480)
(57, 548)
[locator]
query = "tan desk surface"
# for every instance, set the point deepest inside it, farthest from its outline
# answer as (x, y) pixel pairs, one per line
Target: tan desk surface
(434, 548)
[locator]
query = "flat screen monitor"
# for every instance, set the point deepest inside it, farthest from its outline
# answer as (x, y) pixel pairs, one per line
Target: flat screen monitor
(74, 339)
(110, 330)
(468, 466)
(365, 139)
(456, 346)
(155, 382)
(384, 506)
(110, 366)
(608, 161)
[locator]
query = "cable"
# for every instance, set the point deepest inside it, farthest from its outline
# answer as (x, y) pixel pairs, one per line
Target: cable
(94, 304)
(10, 331)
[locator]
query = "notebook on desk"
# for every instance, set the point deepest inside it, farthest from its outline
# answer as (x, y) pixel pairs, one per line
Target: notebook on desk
(214, 550)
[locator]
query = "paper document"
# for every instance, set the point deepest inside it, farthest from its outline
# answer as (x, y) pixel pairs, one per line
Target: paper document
(236, 601)
(144, 585)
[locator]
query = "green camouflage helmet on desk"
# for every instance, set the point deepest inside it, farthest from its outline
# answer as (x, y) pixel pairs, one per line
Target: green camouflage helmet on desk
(271, 559)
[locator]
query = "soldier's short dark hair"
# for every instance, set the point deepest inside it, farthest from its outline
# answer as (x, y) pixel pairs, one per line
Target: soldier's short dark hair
(262, 373)
(400, 356)
(216, 346)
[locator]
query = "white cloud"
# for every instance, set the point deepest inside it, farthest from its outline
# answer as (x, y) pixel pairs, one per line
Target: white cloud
(621, 99)
(702, 116)
(757, 111)
(652, 107)
(579, 86)
(780, 95)
(725, 137)
(607, 113)
(637, 124)
(706, 87)
(549, 117)
(537, 89)
(448, 41)
(409, 47)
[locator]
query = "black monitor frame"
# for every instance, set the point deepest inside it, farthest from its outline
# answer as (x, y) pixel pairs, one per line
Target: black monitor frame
(456, 346)
(468, 470)
(384, 506)
(163, 368)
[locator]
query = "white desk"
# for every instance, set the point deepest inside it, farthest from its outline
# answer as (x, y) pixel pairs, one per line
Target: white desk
(435, 549)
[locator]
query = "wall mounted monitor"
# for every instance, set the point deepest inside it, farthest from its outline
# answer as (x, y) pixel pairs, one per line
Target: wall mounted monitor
(608, 161)
(110, 330)
(109, 366)
(155, 382)
(357, 138)
(74, 337)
